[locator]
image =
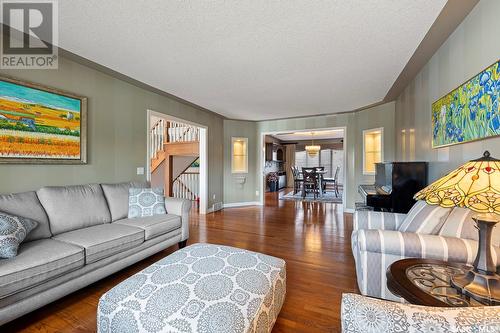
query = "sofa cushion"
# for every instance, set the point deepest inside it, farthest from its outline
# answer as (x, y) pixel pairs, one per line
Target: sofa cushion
(13, 230)
(424, 218)
(155, 225)
(460, 224)
(145, 202)
(117, 197)
(74, 207)
(101, 241)
(26, 204)
(37, 262)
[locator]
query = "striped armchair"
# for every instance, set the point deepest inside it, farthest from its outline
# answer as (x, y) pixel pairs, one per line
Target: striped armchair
(380, 238)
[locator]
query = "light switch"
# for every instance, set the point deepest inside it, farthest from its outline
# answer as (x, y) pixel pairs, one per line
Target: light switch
(140, 170)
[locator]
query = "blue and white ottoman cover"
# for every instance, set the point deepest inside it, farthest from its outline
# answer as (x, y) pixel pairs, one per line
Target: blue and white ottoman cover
(201, 288)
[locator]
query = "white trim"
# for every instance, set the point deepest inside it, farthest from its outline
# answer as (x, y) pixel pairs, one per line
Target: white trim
(203, 170)
(203, 154)
(349, 210)
(262, 176)
(381, 129)
(241, 204)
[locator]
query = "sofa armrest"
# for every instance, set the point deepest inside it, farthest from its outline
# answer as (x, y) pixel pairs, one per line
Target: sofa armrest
(377, 220)
(412, 245)
(361, 314)
(180, 207)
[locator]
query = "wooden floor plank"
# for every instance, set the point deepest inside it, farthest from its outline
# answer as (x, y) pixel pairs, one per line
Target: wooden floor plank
(314, 240)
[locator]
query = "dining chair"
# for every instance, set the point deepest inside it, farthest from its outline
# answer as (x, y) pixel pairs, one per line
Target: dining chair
(297, 179)
(334, 181)
(320, 176)
(309, 181)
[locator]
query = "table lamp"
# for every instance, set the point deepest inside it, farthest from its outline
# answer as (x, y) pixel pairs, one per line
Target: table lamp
(474, 185)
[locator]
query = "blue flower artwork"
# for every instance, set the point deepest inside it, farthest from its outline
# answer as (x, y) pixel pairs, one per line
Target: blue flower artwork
(470, 112)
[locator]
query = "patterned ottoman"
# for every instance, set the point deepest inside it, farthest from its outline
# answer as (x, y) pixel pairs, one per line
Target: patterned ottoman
(201, 288)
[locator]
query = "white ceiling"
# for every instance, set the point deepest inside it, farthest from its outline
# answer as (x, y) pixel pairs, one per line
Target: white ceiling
(308, 135)
(253, 59)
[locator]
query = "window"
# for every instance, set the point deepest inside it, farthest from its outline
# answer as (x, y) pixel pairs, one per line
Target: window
(239, 155)
(372, 149)
(328, 158)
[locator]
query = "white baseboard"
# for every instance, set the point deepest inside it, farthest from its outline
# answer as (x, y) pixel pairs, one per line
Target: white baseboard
(242, 204)
(349, 210)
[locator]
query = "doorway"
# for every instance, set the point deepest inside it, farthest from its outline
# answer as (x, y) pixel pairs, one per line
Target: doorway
(177, 158)
(329, 154)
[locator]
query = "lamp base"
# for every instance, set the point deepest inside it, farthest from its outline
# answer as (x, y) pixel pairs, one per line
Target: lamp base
(484, 288)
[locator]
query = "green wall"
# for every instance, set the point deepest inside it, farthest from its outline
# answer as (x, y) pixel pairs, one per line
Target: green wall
(116, 131)
(234, 192)
(473, 46)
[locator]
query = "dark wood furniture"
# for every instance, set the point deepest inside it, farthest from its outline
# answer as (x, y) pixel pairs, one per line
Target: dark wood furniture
(427, 282)
(310, 182)
(333, 181)
(269, 151)
(395, 185)
(275, 152)
(297, 179)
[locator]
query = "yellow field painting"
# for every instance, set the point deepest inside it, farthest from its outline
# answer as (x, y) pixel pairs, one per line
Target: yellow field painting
(38, 124)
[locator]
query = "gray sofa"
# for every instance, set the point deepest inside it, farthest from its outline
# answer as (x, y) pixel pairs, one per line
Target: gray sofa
(83, 235)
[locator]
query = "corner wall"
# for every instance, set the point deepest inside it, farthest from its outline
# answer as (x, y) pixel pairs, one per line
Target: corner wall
(117, 115)
(473, 46)
(235, 193)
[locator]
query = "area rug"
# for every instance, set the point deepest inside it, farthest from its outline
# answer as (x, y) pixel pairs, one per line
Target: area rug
(327, 197)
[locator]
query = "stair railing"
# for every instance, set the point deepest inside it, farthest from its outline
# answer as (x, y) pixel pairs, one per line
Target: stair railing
(186, 186)
(180, 132)
(157, 137)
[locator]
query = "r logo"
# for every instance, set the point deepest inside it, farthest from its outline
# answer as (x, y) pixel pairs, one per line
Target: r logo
(34, 20)
(29, 34)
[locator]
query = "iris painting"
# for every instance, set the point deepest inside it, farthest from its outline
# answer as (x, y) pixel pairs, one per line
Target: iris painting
(470, 112)
(40, 125)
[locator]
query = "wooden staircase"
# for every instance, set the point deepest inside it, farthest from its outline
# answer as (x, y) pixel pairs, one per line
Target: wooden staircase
(169, 142)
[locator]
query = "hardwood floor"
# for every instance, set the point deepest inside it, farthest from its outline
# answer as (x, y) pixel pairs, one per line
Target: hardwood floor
(313, 239)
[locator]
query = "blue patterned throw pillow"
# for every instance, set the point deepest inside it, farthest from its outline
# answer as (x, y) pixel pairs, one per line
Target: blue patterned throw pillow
(145, 202)
(13, 230)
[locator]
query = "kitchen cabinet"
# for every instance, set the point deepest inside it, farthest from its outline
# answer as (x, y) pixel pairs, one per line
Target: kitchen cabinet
(274, 152)
(269, 151)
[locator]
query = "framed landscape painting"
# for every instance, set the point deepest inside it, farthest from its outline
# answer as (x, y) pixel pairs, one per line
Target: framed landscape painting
(470, 112)
(41, 125)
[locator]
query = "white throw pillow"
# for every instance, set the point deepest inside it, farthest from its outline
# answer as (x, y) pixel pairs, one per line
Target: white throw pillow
(145, 202)
(424, 218)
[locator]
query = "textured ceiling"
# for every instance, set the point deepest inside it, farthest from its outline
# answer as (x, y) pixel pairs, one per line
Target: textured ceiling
(257, 59)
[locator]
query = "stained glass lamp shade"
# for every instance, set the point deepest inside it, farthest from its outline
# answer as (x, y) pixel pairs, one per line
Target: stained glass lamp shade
(474, 185)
